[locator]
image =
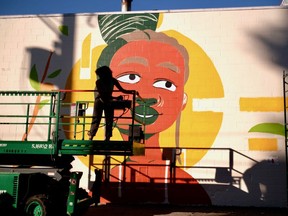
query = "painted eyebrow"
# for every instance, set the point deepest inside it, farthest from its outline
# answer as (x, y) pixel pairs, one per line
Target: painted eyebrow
(134, 59)
(170, 66)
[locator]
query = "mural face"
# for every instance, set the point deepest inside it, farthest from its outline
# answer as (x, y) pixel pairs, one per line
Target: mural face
(158, 77)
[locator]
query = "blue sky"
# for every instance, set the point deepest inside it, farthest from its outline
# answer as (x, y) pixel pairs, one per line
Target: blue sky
(18, 7)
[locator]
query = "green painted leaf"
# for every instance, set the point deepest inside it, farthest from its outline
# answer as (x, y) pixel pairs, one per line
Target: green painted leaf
(271, 128)
(64, 30)
(114, 25)
(55, 73)
(43, 103)
(33, 78)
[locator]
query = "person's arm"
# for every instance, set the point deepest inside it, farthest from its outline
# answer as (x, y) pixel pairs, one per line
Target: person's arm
(119, 87)
(117, 84)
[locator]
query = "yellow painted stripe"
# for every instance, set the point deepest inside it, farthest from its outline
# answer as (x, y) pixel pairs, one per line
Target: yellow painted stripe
(85, 60)
(262, 104)
(263, 144)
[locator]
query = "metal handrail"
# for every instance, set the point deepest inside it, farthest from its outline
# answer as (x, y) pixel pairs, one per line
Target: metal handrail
(23, 113)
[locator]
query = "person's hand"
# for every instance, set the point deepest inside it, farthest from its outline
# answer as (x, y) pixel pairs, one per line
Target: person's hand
(119, 98)
(138, 95)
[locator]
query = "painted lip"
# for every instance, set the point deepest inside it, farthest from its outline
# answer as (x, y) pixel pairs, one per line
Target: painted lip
(145, 115)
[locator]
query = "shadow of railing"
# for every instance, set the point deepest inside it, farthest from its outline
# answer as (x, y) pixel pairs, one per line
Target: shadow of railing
(224, 169)
(169, 181)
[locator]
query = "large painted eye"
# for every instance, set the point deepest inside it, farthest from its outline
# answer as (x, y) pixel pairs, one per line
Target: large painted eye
(164, 84)
(129, 78)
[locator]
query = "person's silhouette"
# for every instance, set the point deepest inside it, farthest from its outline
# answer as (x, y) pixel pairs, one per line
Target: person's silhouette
(103, 96)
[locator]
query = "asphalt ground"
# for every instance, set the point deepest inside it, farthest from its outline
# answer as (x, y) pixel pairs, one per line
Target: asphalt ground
(169, 210)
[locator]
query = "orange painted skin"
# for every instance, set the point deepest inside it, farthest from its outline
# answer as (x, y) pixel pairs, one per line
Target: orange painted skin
(159, 78)
(156, 71)
(156, 76)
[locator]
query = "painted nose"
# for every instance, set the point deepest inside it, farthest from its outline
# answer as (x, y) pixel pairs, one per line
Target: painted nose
(146, 101)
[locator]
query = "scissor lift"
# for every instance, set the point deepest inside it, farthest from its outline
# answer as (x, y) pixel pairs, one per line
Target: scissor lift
(36, 154)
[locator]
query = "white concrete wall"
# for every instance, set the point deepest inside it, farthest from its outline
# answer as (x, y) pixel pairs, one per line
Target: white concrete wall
(248, 49)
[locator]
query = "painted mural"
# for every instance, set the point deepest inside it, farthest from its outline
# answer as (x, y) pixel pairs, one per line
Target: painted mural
(210, 106)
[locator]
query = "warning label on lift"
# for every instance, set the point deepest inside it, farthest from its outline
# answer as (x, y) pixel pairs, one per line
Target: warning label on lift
(42, 146)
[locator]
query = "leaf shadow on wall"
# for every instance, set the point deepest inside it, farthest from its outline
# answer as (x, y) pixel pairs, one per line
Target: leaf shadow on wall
(271, 41)
(49, 68)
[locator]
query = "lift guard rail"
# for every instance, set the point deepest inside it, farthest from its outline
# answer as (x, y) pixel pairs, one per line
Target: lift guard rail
(35, 123)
